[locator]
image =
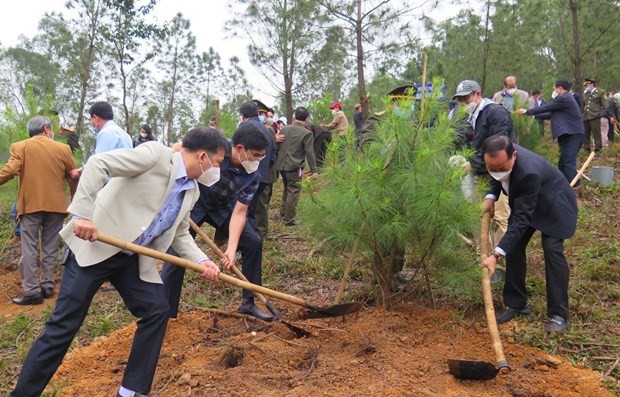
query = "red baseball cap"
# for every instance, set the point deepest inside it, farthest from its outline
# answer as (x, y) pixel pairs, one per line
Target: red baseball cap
(336, 105)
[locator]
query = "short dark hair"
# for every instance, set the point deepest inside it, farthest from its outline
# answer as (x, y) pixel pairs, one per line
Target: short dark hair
(497, 143)
(101, 109)
(249, 109)
(250, 136)
(203, 138)
(301, 113)
(212, 118)
(565, 84)
(535, 92)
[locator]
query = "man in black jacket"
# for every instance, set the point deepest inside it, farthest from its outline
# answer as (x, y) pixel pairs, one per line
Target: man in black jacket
(487, 119)
(540, 198)
(566, 126)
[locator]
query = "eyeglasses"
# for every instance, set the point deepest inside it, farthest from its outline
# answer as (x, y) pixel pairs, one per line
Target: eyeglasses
(255, 156)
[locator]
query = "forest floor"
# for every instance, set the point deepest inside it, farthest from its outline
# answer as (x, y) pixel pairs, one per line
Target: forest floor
(401, 352)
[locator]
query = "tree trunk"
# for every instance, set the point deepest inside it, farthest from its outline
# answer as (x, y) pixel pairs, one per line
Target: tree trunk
(170, 115)
(360, 63)
(487, 44)
(574, 5)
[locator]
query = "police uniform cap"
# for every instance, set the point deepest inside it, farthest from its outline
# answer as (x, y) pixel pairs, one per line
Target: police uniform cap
(262, 108)
(589, 81)
(403, 92)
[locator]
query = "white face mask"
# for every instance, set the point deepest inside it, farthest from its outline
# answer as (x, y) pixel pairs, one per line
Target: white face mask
(334, 111)
(210, 176)
(554, 94)
(144, 135)
(511, 91)
(500, 176)
(471, 107)
(249, 166)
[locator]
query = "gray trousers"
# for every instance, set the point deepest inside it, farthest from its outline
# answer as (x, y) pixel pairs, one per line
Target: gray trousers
(290, 194)
(49, 225)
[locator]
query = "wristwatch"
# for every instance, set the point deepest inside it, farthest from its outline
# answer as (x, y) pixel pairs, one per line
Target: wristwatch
(497, 256)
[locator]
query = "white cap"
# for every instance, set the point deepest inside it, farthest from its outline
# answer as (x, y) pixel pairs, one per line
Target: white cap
(283, 119)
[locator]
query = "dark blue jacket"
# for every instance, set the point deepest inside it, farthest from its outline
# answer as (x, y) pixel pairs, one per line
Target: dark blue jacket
(565, 115)
(270, 152)
(493, 119)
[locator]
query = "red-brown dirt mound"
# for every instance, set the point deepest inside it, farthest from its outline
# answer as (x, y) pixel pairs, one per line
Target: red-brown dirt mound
(373, 353)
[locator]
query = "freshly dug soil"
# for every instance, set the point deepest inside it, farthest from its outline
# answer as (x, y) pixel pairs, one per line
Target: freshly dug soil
(372, 353)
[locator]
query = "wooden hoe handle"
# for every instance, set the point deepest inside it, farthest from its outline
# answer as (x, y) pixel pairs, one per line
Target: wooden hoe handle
(488, 297)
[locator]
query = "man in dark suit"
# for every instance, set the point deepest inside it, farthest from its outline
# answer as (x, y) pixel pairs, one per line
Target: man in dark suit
(566, 126)
(296, 148)
(105, 201)
(540, 198)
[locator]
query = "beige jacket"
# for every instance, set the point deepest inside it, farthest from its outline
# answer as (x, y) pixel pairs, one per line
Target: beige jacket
(141, 179)
(339, 124)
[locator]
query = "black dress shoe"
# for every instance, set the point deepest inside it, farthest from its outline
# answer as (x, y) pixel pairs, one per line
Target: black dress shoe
(509, 313)
(24, 300)
(139, 395)
(251, 309)
(47, 292)
(556, 324)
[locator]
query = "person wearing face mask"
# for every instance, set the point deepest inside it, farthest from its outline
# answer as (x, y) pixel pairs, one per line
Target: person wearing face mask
(166, 184)
(146, 135)
(110, 135)
(257, 112)
(224, 205)
(339, 124)
(594, 107)
(566, 126)
(43, 166)
(540, 199)
(512, 96)
(487, 119)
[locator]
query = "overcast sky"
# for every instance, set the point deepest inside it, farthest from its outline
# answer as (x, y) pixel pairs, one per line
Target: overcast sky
(207, 24)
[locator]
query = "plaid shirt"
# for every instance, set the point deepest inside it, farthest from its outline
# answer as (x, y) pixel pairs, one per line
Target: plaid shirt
(235, 185)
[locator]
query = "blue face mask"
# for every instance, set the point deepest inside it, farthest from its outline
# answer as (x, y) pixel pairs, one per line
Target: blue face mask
(94, 130)
(262, 119)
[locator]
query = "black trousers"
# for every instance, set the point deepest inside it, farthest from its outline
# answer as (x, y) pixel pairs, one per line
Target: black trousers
(250, 246)
(556, 274)
(77, 288)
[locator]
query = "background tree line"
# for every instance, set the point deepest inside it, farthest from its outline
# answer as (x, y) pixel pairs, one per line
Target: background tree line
(306, 50)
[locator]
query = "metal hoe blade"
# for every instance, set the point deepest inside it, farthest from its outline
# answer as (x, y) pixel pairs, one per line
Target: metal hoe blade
(468, 369)
(334, 310)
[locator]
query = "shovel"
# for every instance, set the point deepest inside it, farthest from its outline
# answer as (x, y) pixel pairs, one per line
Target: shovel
(326, 311)
(276, 314)
(483, 370)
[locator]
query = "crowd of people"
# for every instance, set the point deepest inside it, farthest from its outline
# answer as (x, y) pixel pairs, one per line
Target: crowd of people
(229, 184)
